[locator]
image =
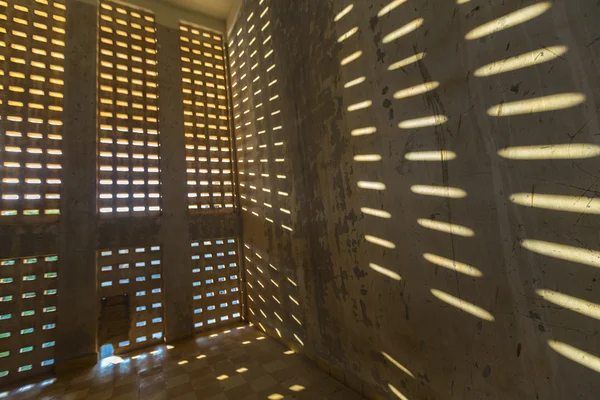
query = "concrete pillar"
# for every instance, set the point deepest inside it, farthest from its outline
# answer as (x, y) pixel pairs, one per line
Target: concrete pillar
(174, 230)
(77, 300)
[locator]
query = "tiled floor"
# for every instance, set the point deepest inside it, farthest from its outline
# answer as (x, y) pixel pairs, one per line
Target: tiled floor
(238, 363)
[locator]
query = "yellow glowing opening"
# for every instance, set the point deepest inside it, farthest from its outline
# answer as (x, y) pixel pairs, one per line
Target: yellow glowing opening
(241, 370)
(385, 271)
(343, 13)
(416, 90)
(364, 131)
(297, 388)
(433, 120)
(367, 157)
(563, 252)
(275, 396)
(576, 204)
(371, 185)
(396, 392)
(439, 191)
(443, 155)
(376, 213)
(397, 364)
(540, 104)
(445, 227)
(580, 306)
(348, 34)
(404, 30)
(574, 354)
(453, 265)
(521, 61)
(355, 82)
(222, 377)
(360, 106)
(351, 58)
(380, 242)
(570, 151)
(407, 61)
(390, 7)
(509, 20)
(463, 305)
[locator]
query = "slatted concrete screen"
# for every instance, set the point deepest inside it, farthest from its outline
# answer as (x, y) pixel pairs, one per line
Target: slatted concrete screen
(216, 283)
(128, 149)
(259, 126)
(28, 291)
(206, 120)
(32, 40)
(273, 296)
(137, 273)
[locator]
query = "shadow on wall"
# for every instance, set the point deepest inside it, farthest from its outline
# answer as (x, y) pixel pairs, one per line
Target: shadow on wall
(486, 158)
(449, 177)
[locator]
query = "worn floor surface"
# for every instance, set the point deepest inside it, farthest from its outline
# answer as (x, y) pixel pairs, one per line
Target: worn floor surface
(237, 363)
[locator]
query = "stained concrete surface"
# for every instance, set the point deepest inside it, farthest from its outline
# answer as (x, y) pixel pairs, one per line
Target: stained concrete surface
(476, 314)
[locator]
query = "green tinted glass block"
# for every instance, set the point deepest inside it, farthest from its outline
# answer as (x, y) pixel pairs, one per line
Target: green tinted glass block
(26, 331)
(4, 354)
(7, 262)
(25, 368)
(52, 258)
(26, 349)
(6, 280)
(31, 212)
(50, 292)
(30, 261)
(4, 335)
(29, 295)
(52, 212)
(50, 275)
(3, 374)
(10, 212)
(6, 298)
(50, 309)
(27, 313)
(29, 278)
(5, 316)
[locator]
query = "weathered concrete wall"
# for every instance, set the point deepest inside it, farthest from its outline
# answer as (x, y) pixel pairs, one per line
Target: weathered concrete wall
(500, 308)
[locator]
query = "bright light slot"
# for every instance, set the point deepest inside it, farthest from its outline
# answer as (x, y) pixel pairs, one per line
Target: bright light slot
(371, 185)
(580, 306)
(445, 227)
(380, 242)
(453, 265)
(376, 213)
(407, 61)
(521, 61)
(402, 31)
(390, 7)
(463, 305)
(572, 151)
(574, 354)
(563, 252)
(416, 90)
(537, 105)
(439, 191)
(509, 20)
(343, 13)
(576, 204)
(385, 271)
(416, 123)
(397, 364)
(367, 157)
(443, 155)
